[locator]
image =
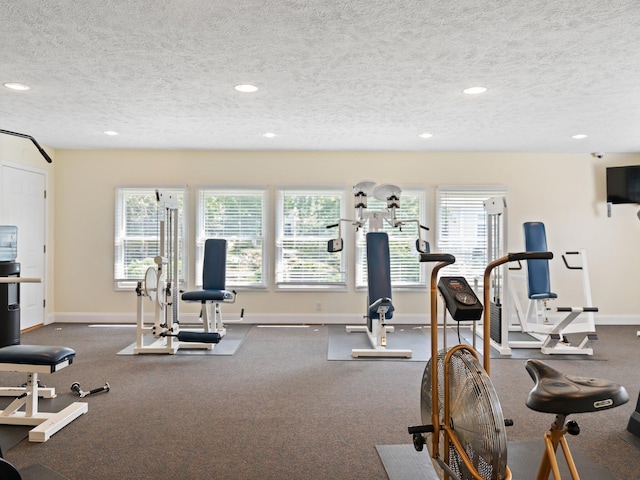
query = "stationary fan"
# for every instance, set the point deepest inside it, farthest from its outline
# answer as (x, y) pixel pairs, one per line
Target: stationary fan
(475, 416)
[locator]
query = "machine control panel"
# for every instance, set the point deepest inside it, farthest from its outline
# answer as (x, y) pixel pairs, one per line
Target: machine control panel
(459, 298)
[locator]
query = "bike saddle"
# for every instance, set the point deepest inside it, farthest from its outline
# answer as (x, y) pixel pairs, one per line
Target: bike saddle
(555, 392)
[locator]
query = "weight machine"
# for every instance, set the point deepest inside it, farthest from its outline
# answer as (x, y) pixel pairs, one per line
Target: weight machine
(160, 285)
(542, 331)
(379, 299)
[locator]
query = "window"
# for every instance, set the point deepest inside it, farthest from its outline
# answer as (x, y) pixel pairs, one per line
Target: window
(406, 270)
(137, 234)
(237, 216)
(302, 259)
(462, 227)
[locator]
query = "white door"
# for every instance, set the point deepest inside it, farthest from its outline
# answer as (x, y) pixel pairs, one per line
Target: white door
(24, 205)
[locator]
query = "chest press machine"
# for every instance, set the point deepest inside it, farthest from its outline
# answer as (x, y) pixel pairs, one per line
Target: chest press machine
(379, 292)
(543, 332)
(552, 334)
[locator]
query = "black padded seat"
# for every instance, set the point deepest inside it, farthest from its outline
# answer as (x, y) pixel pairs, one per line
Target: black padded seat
(207, 295)
(555, 392)
(543, 295)
(36, 355)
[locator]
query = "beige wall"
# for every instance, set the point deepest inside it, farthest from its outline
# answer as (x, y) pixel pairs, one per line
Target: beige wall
(566, 191)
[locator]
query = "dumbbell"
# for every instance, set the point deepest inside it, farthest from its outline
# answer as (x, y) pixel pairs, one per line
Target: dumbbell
(75, 387)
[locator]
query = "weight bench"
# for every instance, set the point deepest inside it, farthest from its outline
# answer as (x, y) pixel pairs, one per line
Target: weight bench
(380, 306)
(551, 334)
(33, 360)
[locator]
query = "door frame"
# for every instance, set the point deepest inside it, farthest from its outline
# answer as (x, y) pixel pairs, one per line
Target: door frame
(45, 256)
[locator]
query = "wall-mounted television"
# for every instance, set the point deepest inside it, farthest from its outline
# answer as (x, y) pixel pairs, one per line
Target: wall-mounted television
(623, 184)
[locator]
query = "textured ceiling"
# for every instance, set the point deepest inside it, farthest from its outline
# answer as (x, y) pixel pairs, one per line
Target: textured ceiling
(332, 74)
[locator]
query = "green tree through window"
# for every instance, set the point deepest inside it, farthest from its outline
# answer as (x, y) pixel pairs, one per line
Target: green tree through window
(301, 245)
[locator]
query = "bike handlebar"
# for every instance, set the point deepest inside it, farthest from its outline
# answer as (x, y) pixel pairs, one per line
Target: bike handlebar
(437, 257)
(516, 257)
(512, 257)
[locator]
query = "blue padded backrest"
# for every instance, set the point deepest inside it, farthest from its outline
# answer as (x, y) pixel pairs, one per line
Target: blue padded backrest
(378, 267)
(215, 264)
(535, 240)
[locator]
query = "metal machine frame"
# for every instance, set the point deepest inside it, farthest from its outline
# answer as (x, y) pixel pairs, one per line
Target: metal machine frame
(377, 332)
(546, 333)
(161, 286)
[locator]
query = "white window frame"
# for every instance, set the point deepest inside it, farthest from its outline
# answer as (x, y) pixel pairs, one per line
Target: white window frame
(122, 281)
(322, 240)
(231, 238)
(470, 249)
(405, 239)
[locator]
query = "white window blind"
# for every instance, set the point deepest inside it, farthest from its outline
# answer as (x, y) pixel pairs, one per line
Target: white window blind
(137, 234)
(406, 270)
(462, 227)
(302, 259)
(238, 216)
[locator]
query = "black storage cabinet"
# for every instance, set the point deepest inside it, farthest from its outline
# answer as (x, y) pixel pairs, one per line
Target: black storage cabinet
(9, 305)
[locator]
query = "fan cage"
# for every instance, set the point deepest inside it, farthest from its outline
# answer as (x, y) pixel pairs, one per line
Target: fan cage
(475, 416)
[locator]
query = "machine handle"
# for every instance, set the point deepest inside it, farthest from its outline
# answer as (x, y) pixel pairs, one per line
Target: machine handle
(572, 309)
(512, 257)
(544, 256)
(437, 257)
(566, 263)
(333, 225)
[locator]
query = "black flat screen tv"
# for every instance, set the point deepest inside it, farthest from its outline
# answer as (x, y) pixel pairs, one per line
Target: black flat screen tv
(623, 184)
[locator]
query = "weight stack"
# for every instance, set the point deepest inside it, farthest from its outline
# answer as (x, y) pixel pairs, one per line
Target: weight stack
(495, 323)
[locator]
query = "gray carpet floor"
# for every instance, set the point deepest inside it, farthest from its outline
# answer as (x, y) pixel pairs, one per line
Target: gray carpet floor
(403, 462)
(40, 472)
(228, 345)
(278, 409)
(526, 353)
(412, 337)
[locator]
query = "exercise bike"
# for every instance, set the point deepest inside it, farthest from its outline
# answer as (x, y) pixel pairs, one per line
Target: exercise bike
(463, 425)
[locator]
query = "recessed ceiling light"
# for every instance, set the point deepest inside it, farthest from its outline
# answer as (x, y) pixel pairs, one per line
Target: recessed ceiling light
(474, 90)
(579, 136)
(246, 88)
(426, 135)
(110, 132)
(269, 135)
(17, 86)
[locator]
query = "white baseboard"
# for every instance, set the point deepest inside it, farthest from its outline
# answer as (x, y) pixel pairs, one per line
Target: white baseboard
(254, 318)
(291, 318)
